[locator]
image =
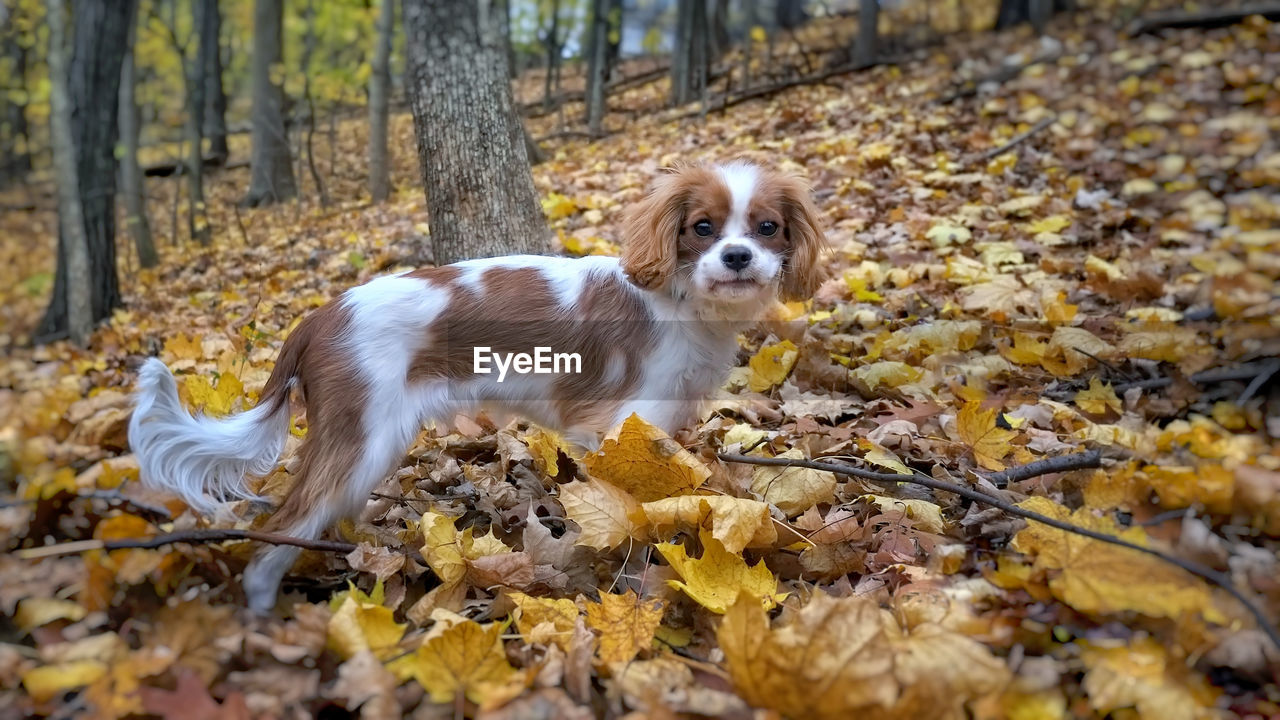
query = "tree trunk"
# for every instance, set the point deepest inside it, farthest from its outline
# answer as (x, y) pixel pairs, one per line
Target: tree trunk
(15, 151)
(215, 97)
(72, 241)
(101, 29)
(271, 169)
(597, 66)
(1037, 12)
(131, 179)
(689, 56)
(480, 194)
(615, 37)
(865, 49)
(197, 219)
(379, 92)
(308, 49)
(720, 27)
(552, 42)
(790, 14)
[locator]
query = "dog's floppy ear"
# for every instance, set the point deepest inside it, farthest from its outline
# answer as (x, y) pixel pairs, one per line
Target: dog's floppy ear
(650, 231)
(805, 268)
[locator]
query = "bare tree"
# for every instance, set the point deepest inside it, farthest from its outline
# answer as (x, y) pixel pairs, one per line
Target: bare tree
(131, 181)
(197, 218)
(308, 50)
(865, 47)
(597, 65)
(379, 100)
(551, 41)
(101, 28)
(475, 168)
(271, 177)
(75, 248)
(1037, 12)
(690, 59)
(15, 156)
(215, 97)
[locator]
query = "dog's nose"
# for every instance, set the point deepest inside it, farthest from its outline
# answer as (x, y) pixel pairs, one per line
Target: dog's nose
(736, 258)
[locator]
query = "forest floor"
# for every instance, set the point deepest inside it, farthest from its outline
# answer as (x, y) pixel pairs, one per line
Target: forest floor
(1080, 256)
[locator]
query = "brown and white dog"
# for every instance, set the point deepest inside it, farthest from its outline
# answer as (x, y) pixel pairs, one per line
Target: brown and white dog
(706, 253)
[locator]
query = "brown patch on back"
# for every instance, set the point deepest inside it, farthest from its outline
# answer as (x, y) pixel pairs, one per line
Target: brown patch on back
(516, 312)
(515, 307)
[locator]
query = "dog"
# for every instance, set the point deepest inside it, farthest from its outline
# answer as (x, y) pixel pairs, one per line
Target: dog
(706, 253)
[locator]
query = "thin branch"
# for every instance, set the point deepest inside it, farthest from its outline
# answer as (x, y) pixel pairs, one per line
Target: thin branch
(1016, 141)
(1202, 571)
(191, 537)
(1061, 463)
(1248, 371)
(1207, 19)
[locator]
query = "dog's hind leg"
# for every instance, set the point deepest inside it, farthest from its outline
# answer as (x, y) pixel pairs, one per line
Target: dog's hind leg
(342, 460)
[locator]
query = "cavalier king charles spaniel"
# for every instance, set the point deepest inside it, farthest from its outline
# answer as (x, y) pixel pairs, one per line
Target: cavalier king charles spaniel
(574, 344)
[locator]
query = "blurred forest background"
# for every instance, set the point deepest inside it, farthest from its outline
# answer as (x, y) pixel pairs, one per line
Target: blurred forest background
(194, 104)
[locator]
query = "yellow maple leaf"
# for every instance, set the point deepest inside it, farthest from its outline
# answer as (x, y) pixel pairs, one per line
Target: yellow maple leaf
(605, 514)
(36, 611)
(1166, 342)
(715, 580)
(927, 515)
(465, 660)
(1208, 484)
(212, 400)
(183, 347)
(890, 373)
(358, 626)
(944, 234)
(49, 681)
(1139, 675)
(771, 365)
(1026, 349)
(557, 206)
(792, 489)
(736, 522)
(758, 34)
(442, 549)
(546, 446)
(1051, 224)
(855, 660)
(878, 455)
(1098, 398)
(626, 624)
(1094, 577)
(977, 428)
(543, 620)
(645, 462)
(1063, 356)
(1056, 309)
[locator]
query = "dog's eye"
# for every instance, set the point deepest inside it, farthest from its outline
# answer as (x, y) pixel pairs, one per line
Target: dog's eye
(703, 228)
(767, 228)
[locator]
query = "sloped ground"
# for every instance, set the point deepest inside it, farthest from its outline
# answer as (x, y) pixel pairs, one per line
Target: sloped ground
(989, 308)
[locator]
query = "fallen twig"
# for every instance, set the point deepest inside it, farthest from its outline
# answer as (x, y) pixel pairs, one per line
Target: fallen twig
(190, 537)
(1017, 140)
(1201, 571)
(1001, 75)
(1247, 371)
(1062, 463)
(1206, 19)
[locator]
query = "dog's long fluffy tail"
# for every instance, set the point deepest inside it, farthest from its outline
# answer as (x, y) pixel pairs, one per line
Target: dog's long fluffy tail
(204, 460)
